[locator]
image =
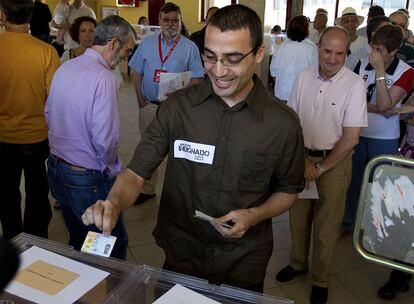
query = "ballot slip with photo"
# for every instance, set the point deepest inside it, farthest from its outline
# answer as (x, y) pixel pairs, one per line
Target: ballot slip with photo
(99, 244)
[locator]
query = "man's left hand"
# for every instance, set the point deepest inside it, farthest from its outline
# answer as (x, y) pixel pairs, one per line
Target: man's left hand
(241, 219)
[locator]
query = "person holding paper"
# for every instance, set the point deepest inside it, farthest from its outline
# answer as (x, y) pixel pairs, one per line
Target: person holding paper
(330, 101)
(234, 153)
(167, 52)
(83, 119)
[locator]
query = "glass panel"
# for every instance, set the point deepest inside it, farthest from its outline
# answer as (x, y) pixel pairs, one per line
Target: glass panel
(275, 14)
(362, 6)
(411, 10)
(310, 7)
(220, 3)
(391, 6)
(206, 4)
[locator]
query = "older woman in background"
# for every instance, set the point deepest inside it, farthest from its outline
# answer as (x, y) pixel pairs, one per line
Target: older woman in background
(293, 55)
(81, 32)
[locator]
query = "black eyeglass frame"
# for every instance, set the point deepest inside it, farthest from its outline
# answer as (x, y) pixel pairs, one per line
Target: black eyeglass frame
(226, 62)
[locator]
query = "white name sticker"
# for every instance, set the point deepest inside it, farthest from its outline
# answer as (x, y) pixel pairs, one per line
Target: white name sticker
(195, 152)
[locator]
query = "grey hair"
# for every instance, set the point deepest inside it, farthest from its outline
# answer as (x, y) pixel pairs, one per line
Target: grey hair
(112, 27)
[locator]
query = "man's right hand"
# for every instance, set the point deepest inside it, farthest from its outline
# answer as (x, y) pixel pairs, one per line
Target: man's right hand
(103, 214)
(142, 103)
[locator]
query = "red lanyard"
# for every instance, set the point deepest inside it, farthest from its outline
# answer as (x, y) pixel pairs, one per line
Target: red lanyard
(170, 51)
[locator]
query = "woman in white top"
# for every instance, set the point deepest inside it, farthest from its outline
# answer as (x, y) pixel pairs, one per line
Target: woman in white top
(292, 56)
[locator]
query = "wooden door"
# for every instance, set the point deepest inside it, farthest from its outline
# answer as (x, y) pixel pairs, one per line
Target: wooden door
(154, 7)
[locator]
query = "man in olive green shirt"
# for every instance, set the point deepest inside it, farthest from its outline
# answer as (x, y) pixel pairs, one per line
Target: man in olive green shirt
(234, 153)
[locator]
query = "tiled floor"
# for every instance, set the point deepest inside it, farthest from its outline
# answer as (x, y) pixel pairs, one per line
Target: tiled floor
(353, 279)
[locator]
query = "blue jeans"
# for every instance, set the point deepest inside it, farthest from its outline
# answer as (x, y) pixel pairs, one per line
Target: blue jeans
(76, 189)
(367, 149)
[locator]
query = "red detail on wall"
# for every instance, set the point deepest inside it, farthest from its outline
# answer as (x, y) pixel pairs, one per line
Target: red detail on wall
(126, 2)
(154, 7)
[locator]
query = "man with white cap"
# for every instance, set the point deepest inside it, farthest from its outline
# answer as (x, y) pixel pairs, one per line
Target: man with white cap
(359, 45)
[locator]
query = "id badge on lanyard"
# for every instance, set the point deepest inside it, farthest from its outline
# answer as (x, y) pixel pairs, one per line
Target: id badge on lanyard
(158, 72)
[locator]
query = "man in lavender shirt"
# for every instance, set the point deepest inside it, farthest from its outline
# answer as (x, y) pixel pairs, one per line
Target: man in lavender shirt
(83, 119)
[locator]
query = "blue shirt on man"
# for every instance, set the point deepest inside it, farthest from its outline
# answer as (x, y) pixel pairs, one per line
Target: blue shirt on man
(146, 60)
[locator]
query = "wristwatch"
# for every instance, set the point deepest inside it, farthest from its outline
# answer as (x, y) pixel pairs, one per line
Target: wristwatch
(380, 78)
(319, 167)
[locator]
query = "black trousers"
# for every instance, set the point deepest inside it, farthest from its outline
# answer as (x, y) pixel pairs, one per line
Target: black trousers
(29, 159)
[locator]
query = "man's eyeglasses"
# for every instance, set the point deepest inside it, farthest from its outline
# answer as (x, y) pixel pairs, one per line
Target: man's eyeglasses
(228, 62)
(172, 20)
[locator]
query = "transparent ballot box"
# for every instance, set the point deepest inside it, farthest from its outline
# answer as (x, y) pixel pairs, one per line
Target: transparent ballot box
(146, 284)
(118, 270)
(128, 283)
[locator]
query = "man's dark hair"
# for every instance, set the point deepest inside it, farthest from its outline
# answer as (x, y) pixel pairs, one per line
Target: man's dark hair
(112, 27)
(375, 10)
(17, 11)
(390, 36)
(236, 17)
(170, 7)
(75, 27)
(298, 28)
(374, 24)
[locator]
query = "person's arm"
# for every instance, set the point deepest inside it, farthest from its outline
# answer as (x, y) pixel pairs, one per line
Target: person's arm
(344, 146)
(51, 68)
(244, 219)
(138, 85)
(124, 192)
(385, 98)
(104, 125)
(311, 173)
(371, 108)
(195, 81)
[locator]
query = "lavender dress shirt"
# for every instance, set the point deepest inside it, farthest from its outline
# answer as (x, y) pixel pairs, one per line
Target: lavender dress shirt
(82, 114)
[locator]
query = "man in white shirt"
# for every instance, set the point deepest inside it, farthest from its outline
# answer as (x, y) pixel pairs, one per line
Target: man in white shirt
(359, 45)
(319, 25)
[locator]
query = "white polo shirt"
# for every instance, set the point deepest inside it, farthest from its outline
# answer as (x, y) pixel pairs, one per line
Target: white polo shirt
(326, 106)
(397, 74)
(358, 49)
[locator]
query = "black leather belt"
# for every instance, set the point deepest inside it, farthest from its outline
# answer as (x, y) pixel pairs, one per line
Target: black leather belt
(317, 153)
(156, 102)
